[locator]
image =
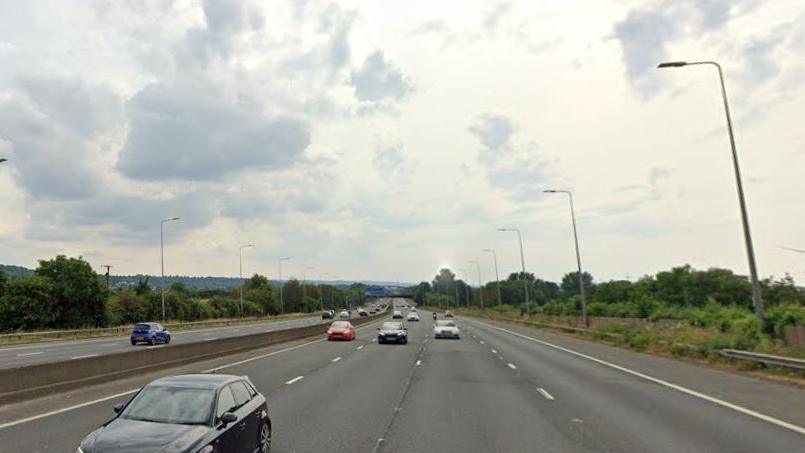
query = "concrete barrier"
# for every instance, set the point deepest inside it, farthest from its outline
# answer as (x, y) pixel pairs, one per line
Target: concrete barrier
(23, 383)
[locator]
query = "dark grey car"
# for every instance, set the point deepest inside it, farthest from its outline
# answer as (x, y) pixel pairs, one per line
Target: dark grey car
(194, 413)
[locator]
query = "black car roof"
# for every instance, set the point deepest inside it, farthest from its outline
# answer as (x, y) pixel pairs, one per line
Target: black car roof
(205, 381)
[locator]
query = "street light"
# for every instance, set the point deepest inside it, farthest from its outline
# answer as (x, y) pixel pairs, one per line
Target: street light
(497, 277)
(162, 258)
(522, 261)
(757, 297)
(3, 160)
(480, 285)
(279, 264)
(582, 291)
(240, 273)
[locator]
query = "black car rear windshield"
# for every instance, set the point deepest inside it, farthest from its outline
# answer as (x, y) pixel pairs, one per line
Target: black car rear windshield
(391, 326)
(178, 405)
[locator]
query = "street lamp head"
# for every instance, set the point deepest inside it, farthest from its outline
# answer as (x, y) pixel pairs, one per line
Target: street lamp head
(672, 64)
(550, 191)
(3, 160)
(284, 258)
(247, 245)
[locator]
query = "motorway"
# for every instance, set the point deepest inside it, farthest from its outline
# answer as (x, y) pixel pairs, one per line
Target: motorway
(495, 390)
(44, 352)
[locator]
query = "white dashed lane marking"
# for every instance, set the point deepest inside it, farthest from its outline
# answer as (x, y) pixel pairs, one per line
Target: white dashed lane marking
(30, 353)
(336, 359)
(512, 366)
(83, 356)
(544, 393)
(294, 380)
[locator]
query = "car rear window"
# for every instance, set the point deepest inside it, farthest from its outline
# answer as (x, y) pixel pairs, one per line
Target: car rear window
(142, 327)
(391, 326)
(445, 323)
(340, 324)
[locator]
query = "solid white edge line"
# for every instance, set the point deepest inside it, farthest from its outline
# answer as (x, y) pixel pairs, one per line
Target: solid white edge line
(545, 393)
(30, 353)
(83, 356)
(679, 388)
(294, 380)
(512, 366)
(129, 392)
(336, 359)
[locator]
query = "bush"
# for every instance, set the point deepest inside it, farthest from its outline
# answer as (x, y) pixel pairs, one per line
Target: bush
(28, 304)
(780, 316)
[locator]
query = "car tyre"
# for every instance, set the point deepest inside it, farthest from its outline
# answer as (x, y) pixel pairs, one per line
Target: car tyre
(168, 339)
(264, 439)
(133, 343)
(151, 341)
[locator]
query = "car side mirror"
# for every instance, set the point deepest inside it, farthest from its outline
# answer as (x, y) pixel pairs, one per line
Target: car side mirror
(118, 407)
(228, 417)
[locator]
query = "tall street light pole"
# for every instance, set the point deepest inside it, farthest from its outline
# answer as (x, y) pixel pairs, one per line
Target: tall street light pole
(582, 290)
(480, 285)
(279, 264)
(497, 276)
(757, 297)
(240, 273)
(162, 258)
(522, 262)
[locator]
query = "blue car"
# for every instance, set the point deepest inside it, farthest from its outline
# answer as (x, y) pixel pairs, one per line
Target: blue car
(151, 333)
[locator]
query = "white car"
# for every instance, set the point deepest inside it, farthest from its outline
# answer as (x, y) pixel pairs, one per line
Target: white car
(413, 316)
(344, 315)
(397, 315)
(446, 329)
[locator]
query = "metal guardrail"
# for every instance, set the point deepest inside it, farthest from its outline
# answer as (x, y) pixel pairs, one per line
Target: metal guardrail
(51, 335)
(776, 360)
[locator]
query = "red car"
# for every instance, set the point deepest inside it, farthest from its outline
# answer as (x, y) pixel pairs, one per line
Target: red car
(341, 330)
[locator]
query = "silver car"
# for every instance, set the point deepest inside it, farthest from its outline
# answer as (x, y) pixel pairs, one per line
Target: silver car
(446, 329)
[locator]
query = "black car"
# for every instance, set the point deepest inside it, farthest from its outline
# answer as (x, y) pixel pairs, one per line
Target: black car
(392, 332)
(326, 315)
(193, 413)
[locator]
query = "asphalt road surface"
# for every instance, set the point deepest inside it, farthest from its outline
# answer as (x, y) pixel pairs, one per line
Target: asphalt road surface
(490, 391)
(33, 353)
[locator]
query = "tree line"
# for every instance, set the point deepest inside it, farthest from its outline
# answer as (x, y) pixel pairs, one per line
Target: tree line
(66, 293)
(681, 292)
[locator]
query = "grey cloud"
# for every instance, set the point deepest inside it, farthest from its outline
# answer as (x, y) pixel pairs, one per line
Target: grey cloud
(335, 25)
(646, 32)
(55, 128)
(520, 170)
(225, 21)
(760, 64)
(120, 218)
(431, 26)
(194, 134)
(493, 130)
(656, 174)
(493, 17)
(391, 162)
(379, 79)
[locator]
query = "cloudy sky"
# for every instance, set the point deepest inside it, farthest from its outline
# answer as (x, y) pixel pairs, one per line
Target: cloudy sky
(380, 140)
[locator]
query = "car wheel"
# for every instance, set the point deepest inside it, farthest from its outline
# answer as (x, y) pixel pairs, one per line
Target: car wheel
(167, 339)
(264, 441)
(151, 341)
(133, 343)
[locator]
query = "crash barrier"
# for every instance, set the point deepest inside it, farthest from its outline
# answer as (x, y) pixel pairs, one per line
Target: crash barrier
(24, 383)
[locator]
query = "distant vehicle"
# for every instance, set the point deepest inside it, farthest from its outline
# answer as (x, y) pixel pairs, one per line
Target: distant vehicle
(362, 312)
(397, 315)
(413, 316)
(448, 314)
(151, 333)
(344, 315)
(341, 330)
(446, 329)
(187, 414)
(326, 315)
(434, 316)
(392, 332)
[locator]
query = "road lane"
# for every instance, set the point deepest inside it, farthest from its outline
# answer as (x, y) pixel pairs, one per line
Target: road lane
(625, 413)
(454, 396)
(45, 352)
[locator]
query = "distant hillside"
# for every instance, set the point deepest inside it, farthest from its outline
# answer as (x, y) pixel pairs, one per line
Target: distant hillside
(194, 282)
(16, 271)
